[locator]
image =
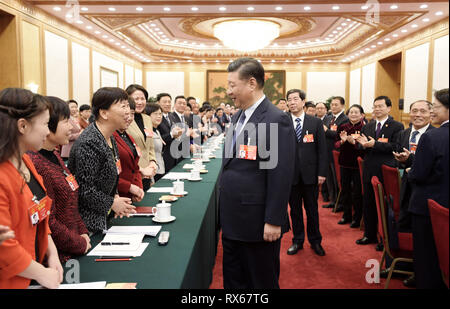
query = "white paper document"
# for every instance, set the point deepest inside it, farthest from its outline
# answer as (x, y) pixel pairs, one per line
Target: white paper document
(77, 286)
(191, 166)
(177, 176)
(151, 230)
(121, 242)
(100, 250)
(160, 190)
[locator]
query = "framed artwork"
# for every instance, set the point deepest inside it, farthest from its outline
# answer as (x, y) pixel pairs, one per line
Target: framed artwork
(108, 78)
(216, 86)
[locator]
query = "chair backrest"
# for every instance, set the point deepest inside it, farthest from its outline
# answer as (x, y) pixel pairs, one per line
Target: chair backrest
(361, 165)
(439, 221)
(381, 212)
(392, 183)
(337, 167)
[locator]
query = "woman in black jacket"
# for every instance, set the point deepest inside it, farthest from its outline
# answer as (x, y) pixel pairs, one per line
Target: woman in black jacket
(95, 163)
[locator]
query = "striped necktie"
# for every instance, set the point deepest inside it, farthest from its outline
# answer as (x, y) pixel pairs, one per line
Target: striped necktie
(298, 129)
(413, 138)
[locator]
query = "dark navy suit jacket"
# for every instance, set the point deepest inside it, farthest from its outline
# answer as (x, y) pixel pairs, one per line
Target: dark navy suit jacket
(251, 196)
(429, 173)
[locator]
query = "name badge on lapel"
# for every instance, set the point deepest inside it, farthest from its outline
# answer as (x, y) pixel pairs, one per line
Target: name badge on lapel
(39, 210)
(382, 139)
(248, 152)
(148, 133)
(308, 138)
(138, 150)
(412, 148)
(71, 181)
(119, 167)
(333, 127)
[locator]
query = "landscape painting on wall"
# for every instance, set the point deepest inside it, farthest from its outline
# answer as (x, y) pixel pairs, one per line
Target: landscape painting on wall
(216, 86)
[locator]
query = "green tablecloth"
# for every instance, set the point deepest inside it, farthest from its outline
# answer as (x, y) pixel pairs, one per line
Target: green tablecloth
(188, 259)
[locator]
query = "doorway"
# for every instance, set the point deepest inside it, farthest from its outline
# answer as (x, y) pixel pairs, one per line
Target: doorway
(9, 59)
(388, 81)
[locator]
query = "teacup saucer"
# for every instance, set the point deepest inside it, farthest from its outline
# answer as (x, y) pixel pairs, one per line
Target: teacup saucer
(203, 171)
(168, 198)
(206, 160)
(195, 179)
(170, 219)
(181, 194)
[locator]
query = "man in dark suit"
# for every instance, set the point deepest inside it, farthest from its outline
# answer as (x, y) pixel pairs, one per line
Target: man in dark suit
(254, 183)
(165, 128)
(420, 117)
(429, 175)
(310, 171)
(378, 139)
(330, 125)
(179, 119)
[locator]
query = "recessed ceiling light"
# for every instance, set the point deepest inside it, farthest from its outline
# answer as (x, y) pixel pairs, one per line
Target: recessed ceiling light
(79, 22)
(175, 60)
(139, 9)
(362, 52)
(308, 41)
(161, 60)
(327, 39)
(203, 61)
(217, 61)
(104, 36)
(315, 60)
(222, 8)
(307, 8)
(275, 45)
(89, 27)
(373, 46)
(57, 9)
(331, 35)
(157, 29)
(189, 60)
(339, 28)
(273, 61)
(152, 25)
(352, 57)
(367, 49)
(278, 8)
(195, 9)
(287, 61)
(380, 43)
(128, 49)
(425, 20)
(335, 32)
(335, 7)
(250, 8)
(404, 30)
(387, 39)
(97, 32)
(160, 32)
(364, 7)
(344, 24)
(439, 13)
(318, 40)
(300, 60)
(111, 40)
(348, 19)
(69, 16)
(122, 46)
(414, 26)
(395, 35)
(329, 60)
(84, 9)
(112, 9)
(394, 7)
(424, 6)
(117, 43)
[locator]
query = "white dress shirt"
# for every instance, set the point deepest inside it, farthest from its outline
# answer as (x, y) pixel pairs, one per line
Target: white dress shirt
(302, 118)
(421, 131)
(248, 113)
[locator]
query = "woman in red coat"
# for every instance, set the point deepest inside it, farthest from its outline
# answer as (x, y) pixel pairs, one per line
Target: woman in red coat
(130, 179)
(24, 204)
(68, 230)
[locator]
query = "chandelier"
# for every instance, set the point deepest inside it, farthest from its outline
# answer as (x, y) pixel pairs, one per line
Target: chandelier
(246, 35)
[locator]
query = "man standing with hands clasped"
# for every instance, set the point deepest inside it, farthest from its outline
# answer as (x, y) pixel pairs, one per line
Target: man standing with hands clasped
(310, 172)
(254, 182)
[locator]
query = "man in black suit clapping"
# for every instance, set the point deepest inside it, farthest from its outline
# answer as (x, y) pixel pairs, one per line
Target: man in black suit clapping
(310, 172)
(378, 139)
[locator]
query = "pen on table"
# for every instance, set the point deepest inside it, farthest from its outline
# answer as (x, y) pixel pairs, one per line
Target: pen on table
(114, 243)
(111, 260)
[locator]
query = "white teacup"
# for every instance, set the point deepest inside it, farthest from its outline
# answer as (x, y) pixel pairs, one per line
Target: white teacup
(195, 174)
(197, 165)
(178, 187)
(162, 211)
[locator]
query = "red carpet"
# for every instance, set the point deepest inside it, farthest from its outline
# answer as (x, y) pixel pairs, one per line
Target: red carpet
(343, 266)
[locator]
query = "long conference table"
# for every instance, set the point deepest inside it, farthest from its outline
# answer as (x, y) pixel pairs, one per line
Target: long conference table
(188, 259)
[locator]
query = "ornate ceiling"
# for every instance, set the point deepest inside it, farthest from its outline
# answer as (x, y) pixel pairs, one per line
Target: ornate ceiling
(182, 30)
